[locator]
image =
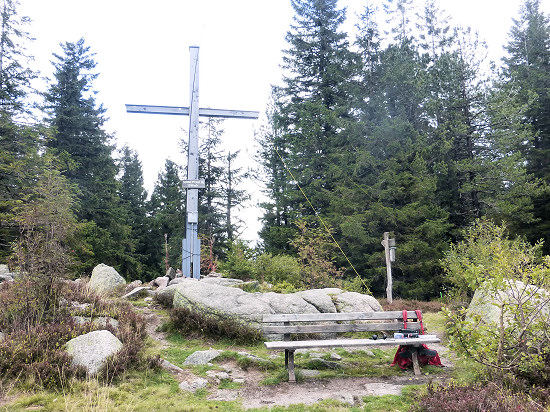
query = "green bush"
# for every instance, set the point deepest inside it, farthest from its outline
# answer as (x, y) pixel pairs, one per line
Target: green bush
(512, 281)
(239, 263)
(278, 269)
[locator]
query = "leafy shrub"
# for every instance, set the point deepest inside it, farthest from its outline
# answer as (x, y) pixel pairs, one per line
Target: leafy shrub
(519, 341)
(187, 322)
(486, 398)
(278, 269)
(283, 287)
(239, 263)
(316, 256)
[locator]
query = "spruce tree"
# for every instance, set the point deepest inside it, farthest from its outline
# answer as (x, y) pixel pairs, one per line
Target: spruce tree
(80, 140)
(167, 211)
(19, 142)
(312, 113)
(133, 199)
(526, 77)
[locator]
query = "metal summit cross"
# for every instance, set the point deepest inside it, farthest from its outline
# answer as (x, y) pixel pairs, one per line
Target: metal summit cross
(191, 246)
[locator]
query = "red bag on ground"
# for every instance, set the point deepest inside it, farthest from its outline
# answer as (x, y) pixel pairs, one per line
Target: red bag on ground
(426, 356)
(403, 358)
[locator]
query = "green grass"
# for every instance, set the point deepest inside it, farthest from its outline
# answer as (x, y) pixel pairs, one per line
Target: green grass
(159, 391)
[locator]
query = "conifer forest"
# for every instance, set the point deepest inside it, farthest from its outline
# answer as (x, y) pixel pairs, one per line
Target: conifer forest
(401, 126)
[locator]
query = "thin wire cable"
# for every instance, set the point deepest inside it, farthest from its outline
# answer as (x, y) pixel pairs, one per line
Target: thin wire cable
(322, 221)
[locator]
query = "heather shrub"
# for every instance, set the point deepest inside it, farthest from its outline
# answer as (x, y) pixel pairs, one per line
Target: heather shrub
(188, 322)
(476, 398)
(411, 304)
(32, 351)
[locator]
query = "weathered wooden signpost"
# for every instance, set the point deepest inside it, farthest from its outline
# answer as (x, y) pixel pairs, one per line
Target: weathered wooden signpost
(389, 250)
(191, 246)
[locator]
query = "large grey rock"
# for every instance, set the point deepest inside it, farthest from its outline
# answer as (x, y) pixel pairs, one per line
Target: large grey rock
(322, 299)
(5, 278)
(222, 281)
(177, 280)
(166, 294)
(92, 349)
(227, 302)
(286, 303)
(356, 302)
(105, 278)
(201, 357)
(486, 303)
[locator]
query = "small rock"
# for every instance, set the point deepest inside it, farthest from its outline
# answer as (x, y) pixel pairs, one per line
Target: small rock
(171, 273)
(250, 356)
(335, 357)
(135, 293)
(1, 336)
(132, 285)
(162, 281)
(194, 385)
(171, 367)
(370, 354)
(218, 375)
(238, 380)
(201, 357)
(323, 364)
(309, 373)
(148, 299)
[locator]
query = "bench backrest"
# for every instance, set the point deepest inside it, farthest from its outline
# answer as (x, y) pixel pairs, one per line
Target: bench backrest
(330, 322)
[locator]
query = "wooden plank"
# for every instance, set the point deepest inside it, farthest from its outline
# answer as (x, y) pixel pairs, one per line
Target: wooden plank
(320, 317)
(343, 343)
(339, 327)
(416, 365)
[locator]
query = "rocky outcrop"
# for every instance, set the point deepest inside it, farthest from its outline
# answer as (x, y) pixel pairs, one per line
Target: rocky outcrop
(5, 275)
(92, 349)
(486, 303)
(356, 302)
(104, 279)
(223, 302)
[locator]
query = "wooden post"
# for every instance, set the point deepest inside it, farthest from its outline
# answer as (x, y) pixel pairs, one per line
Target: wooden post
(386, 244)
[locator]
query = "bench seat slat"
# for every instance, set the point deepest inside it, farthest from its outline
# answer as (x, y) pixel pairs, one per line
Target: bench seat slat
(319, 317)
(338, 328)
(342, 343)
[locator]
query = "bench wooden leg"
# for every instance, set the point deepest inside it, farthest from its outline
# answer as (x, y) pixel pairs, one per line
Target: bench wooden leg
(291, 375)
(416, 365)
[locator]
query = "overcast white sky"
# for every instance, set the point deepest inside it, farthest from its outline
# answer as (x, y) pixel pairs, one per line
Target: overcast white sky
(142, 50)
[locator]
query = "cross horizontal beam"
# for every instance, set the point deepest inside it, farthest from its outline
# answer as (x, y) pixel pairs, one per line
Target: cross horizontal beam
(184, 111)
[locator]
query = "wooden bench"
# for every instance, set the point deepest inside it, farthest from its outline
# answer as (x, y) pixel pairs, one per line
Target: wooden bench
(323, 323)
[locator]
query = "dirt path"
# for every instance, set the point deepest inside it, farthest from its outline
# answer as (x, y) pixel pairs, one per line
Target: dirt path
(310, 391)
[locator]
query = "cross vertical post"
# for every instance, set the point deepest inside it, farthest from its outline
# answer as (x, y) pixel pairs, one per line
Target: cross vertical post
(191, 246)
